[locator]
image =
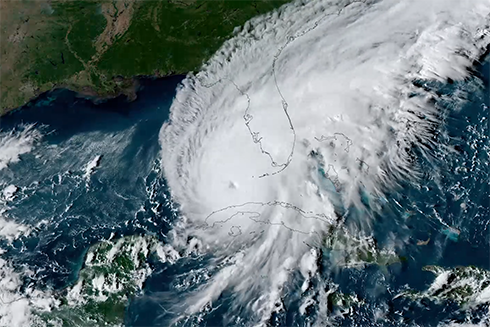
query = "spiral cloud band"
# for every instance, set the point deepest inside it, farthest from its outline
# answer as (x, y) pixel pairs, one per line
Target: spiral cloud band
(299, 114)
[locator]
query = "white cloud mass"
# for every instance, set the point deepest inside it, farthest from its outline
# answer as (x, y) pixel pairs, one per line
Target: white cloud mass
(294, 115)
(16, 143)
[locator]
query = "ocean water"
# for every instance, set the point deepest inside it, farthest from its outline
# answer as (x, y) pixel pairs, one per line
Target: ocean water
(69, 208)
(124, 195)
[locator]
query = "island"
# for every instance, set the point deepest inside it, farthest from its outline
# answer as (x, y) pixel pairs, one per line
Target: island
(113, 272)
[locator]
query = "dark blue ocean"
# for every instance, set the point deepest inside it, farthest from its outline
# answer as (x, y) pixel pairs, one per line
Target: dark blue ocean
(126, 195)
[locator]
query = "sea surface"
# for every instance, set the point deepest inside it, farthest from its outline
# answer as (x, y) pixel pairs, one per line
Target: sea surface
(69, 208)
(93, 173)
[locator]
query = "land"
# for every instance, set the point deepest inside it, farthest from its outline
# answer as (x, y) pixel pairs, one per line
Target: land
(465, 286)
(99, 48)
(113, 273)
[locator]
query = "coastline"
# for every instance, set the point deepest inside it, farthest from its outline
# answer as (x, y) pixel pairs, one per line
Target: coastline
(130, 87)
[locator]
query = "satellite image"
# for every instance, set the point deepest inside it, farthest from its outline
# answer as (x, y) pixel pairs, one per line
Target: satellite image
(268, 163)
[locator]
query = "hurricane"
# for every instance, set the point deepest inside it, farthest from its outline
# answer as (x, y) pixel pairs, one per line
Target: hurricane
(302, 124)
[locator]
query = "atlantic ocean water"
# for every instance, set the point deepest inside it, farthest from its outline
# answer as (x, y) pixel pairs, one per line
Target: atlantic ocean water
(93, 174)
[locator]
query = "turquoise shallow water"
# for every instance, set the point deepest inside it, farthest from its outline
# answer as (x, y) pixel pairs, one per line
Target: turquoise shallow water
(71, 209)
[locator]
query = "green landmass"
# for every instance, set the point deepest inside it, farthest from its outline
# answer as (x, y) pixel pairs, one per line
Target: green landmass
(96, 47)
(345, 250)
(466, 286)
(114, 272)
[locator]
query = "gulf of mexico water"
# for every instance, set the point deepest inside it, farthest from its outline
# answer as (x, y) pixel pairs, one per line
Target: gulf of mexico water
(93, 174)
